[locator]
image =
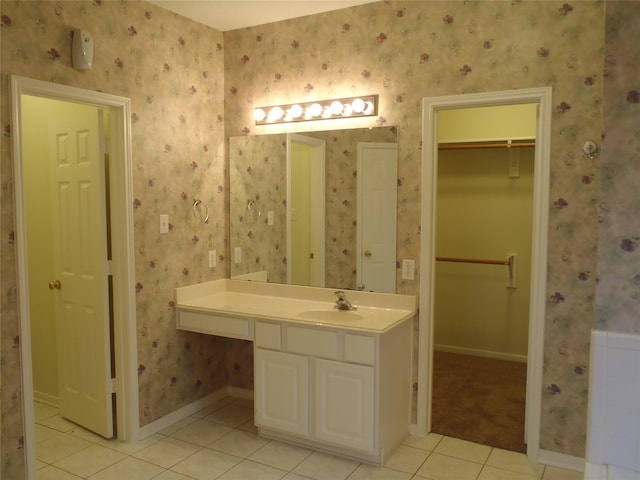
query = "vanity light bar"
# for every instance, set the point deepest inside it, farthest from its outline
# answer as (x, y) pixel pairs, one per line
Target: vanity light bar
(363, 106)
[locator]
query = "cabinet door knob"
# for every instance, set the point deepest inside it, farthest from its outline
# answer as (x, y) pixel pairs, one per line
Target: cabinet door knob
(367, 253)
(55, 285)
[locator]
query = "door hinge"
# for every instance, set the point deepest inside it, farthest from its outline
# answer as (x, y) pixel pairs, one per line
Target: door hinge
(109, 267)
(113, 385)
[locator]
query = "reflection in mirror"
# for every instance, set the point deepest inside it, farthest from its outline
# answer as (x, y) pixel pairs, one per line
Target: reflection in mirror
(258, 204)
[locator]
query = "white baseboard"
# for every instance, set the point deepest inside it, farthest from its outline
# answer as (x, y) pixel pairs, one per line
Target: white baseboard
(480, 353)
(561, 460)
(46, 398)
(168, 420)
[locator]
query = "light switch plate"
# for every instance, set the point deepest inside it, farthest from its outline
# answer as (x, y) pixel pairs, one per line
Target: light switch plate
(164, 223)
(237, 255)
(408, 269)
(213, 261)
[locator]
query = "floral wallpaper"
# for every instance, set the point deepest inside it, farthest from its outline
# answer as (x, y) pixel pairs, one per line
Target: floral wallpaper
(407, 50)
(172, 70)
(192, 86)
(257, 171)
(618, 291)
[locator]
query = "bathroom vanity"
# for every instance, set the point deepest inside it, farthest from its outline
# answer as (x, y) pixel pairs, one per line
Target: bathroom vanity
(333, 380)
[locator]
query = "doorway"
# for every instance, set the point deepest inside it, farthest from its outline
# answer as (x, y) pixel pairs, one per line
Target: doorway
(305, 210)
(120, 218)
(431, 108)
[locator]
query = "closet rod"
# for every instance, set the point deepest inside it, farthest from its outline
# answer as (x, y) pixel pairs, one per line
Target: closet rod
(473, 260)
(464, 146)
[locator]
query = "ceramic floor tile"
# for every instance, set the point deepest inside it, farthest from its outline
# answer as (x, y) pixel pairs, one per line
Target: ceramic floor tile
(321, 466)
(428, 443)
(90, 460)
(206, 464)
(232, 415)
(493, 473)
(85, 434)
(473, 452)
(52, 473)
(130, 469)
(58, 423)
(217, 405)
(554, 473)
(368, 472)
(169, 475)
(239, 443)
(249, 426)
(42, 411)
(179, 425)
(442, 467)
(167, 452)
(294, 476)
(515, 462)
(407, 459)
(56, 448)
(202, 432)
(45, 433)
(280, 455)
(129, 448)
(248, 470)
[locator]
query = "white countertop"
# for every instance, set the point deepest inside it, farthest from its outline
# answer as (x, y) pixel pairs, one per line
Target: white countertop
(376, 312)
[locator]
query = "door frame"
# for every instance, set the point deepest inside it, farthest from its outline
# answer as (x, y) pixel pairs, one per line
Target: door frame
(318, 167)
(431, 106)
(121, 196)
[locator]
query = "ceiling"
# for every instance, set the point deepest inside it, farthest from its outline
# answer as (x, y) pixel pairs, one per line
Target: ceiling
(234, 14)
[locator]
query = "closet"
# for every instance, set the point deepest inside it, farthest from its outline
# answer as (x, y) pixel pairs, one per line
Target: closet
(483, 255)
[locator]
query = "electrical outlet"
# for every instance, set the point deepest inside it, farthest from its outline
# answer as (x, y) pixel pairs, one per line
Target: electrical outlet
(164, 223)
(237, 255)
(408, 269)
(213, 261)
(270, 218)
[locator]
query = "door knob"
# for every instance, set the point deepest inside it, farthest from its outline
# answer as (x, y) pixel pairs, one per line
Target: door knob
(55, 285)
(367, 253)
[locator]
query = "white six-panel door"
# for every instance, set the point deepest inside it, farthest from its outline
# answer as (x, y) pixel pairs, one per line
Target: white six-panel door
(78, 203)
(377, 199)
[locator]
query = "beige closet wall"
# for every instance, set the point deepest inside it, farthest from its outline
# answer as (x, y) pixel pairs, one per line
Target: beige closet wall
(486, 214)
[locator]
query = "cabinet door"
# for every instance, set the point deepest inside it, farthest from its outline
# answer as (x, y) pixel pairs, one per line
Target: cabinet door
(281, 391)
(345, 404)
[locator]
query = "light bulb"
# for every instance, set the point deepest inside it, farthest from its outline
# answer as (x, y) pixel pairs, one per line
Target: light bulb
(315, 110)
(358, 105)
(347, 111)
(275, 114)
(259, 114)
(295, 111)
(368, 108)
(336, 107)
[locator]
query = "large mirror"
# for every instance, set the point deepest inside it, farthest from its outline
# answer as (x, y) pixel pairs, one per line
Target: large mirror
(337, 187)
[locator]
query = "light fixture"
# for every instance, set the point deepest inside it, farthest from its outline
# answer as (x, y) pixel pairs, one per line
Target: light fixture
(364, 106)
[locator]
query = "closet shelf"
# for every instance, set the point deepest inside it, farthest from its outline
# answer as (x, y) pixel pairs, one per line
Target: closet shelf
(492, 144)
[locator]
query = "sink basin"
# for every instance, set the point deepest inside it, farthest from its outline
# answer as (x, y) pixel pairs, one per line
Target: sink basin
(329, 315)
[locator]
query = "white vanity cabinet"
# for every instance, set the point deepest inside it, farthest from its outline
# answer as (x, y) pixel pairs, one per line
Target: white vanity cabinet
(337, 381)
(327, 389)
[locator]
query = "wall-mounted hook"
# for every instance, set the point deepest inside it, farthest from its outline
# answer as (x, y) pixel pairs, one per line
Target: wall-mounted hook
(200, 211)
(252, 209)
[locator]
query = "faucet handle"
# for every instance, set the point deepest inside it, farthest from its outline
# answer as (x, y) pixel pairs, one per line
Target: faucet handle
(339, 294)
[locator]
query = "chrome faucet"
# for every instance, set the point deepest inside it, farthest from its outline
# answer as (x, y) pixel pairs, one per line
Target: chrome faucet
(342, 303)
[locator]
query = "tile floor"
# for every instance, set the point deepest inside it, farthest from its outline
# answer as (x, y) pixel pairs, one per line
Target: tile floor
(220, 442)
